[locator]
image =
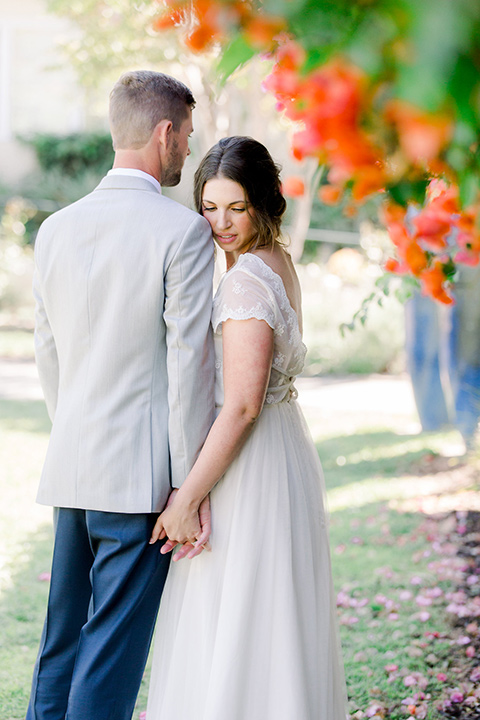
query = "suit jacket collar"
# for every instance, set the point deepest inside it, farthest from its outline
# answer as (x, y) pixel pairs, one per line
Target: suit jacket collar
(126, 182)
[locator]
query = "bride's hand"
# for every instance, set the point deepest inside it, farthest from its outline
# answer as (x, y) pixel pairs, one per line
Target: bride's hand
(179, 522)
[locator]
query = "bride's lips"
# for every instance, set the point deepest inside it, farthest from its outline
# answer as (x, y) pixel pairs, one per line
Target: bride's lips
(225, 238)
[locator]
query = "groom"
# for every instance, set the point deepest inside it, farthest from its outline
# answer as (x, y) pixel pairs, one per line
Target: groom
(124, 353)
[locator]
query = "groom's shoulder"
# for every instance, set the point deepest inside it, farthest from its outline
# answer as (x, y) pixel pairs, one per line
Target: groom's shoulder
(179, 214)
(64, 213)
(175, 208)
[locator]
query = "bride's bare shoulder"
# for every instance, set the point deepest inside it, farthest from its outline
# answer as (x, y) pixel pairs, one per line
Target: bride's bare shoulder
(277, 258)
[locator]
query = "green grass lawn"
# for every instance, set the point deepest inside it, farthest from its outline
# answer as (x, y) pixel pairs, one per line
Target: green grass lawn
(389, 564)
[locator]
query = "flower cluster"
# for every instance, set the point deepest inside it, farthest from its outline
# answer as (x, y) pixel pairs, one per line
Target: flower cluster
(328, 104)
(352, 122)
(434, 239)
(213, 21)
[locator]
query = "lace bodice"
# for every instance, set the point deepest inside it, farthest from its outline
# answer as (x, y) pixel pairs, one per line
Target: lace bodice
(251, 289)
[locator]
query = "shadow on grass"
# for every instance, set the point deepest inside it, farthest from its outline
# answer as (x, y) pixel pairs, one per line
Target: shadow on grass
(378, 454)
(22, 612)
(24, 416)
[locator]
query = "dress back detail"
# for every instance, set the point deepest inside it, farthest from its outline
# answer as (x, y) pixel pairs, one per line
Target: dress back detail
(251, 289)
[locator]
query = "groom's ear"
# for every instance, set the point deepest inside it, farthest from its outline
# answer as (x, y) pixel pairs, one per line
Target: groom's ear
(163, 132)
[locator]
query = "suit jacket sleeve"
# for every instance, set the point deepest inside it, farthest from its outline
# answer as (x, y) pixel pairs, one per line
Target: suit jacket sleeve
(190, 361)
(45, 349)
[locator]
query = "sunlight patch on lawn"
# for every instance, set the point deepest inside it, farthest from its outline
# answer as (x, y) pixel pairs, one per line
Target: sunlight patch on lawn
(374, 490)
(435, 443)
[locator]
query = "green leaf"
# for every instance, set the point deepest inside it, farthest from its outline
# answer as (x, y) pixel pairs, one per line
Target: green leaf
(409, 286)
(284, 8)
(439, 31)
(469, 186)
(407, 191)
(315, 57)
(462, 86)
(383, 283)
(450, 269)
(236, 54)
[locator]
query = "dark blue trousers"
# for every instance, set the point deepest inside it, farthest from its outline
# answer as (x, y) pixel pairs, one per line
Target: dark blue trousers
(104, 596)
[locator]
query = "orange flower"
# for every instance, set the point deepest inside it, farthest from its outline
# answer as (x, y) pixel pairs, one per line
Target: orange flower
(369, 180)
(200, 38)
(175, 13)
(330, 194)
(394, 266)
(167, 21)
(433, 283)
(261, 30)
(399, 236)
(421, 135)
(289, 56)
(391, 212)
(293, 186)
(432, 228)
(415, 258)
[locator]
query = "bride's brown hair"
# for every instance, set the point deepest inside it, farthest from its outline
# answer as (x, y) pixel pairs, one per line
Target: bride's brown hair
(248, 163)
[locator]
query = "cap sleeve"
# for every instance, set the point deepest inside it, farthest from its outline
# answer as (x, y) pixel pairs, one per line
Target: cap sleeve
(243, 296)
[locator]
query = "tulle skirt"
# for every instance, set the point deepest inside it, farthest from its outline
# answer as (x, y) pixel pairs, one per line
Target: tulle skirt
(248, 631)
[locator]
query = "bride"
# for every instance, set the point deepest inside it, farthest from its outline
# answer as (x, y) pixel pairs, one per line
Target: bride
(248, 630)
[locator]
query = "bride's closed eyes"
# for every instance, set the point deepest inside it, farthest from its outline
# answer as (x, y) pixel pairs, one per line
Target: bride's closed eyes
(212, 208)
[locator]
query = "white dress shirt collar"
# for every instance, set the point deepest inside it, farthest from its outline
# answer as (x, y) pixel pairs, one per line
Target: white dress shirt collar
(137, 173)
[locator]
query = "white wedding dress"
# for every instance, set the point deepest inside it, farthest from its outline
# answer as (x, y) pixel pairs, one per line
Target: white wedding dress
(248, 631)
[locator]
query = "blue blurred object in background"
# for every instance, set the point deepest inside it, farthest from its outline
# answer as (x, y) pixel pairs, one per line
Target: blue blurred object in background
(443, 357)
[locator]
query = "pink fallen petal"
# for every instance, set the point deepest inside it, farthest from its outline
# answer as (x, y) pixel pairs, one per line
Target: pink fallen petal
(423, 601)
(373, 710)
(441, 677)
(409, 681)
(416, 580)
(434, 592)
(390, 668)
(44, 577)
(343, 600)
(463, 640)
(456, 696)
(470, 651)
(475, 674)
(143, 715)
(424, 616)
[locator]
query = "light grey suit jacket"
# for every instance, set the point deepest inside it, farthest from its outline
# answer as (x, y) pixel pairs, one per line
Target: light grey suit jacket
(123, 289)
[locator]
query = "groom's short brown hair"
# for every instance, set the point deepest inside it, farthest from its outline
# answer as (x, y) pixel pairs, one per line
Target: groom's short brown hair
(140, 100)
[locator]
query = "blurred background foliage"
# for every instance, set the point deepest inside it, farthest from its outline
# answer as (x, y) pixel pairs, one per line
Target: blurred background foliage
(110, 36)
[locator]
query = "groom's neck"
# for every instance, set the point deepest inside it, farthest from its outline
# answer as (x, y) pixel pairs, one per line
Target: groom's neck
(136, 160)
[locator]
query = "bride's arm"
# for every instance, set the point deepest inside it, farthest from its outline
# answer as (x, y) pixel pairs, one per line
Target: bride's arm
(247, 361)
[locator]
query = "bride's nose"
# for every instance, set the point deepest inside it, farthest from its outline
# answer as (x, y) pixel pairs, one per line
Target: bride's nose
(223, 221)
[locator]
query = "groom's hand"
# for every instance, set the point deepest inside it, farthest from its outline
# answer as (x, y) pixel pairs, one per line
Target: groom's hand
(188, 549)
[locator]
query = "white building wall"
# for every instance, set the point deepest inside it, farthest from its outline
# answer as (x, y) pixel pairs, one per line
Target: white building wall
(38, 90)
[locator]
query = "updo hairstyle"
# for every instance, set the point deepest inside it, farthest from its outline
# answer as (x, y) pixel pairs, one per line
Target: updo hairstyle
(248, 163)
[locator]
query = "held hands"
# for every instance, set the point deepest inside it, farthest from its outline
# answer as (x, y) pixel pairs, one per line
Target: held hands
(183, 524)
